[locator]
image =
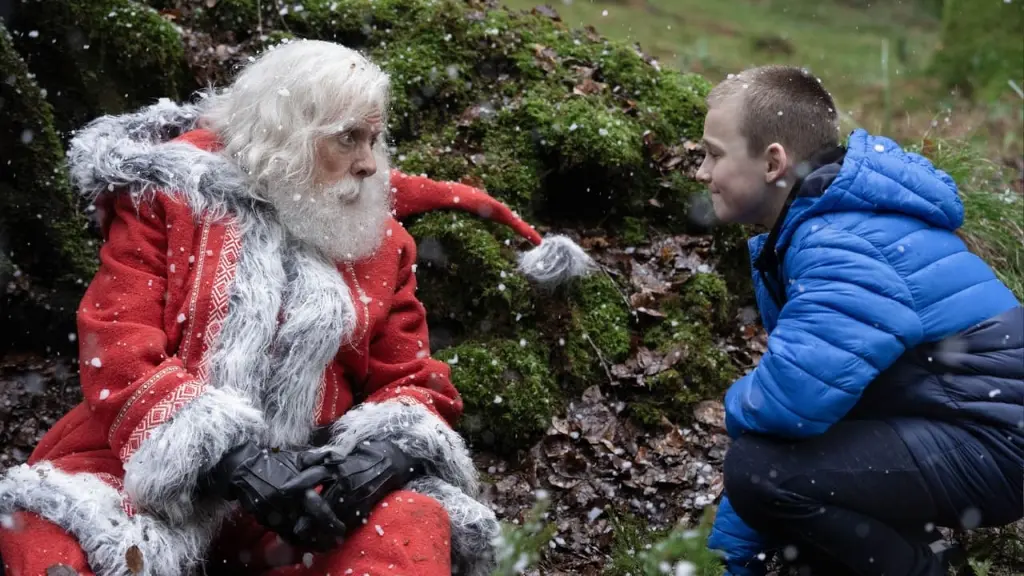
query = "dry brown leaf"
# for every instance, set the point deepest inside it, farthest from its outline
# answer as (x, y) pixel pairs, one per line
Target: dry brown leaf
(711, 413)
(133, 559)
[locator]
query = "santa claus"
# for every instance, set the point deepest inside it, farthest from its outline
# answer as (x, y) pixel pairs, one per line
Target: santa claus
(259, 395)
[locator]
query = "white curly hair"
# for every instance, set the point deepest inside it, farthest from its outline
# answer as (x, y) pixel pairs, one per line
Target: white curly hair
(271, 117)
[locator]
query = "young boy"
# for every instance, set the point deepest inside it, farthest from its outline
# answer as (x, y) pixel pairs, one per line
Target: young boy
(891, 398)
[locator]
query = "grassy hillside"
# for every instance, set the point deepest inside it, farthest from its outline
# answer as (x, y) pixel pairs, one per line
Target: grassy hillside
(873, 56)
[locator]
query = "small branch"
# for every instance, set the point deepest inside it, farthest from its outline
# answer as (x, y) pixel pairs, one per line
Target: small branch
(600, 356)
(616, 285)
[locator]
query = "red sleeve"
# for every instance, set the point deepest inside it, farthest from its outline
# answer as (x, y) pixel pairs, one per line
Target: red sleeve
(400, 366)
(126, 366)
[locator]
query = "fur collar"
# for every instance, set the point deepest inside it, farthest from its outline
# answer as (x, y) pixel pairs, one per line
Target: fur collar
(136, 153)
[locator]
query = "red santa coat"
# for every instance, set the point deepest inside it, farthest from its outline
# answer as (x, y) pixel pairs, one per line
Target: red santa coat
(205, 326)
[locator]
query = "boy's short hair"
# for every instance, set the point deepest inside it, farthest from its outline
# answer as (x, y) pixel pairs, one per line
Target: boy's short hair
(782, 104)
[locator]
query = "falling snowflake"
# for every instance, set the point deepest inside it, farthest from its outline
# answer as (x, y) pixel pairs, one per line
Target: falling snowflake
(284, 92)
(497, 400)
(96, 363)
(380, 531)
(104, 394)
(181, 318)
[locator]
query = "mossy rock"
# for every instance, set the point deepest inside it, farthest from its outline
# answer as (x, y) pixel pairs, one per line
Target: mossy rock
(45, 234)
(981, 47)
(598, 331)
(99, 56)
(549, 119)
(467, 277)
(702, 370)
(508, 391)
(688, 334)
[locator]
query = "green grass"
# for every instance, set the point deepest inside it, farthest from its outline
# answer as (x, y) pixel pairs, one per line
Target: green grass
(840, 41)
(994, 223)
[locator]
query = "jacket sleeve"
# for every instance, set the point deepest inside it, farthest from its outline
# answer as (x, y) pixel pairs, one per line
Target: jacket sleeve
(848, 316)
(740, 543)
(409, 396)
(166, 425)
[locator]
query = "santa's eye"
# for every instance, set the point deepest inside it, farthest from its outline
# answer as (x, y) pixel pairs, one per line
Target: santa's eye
(346, 139)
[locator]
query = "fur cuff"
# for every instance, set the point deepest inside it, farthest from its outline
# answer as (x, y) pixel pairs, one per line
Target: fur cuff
(474, 526)
(161, 476)
(417, 431)
(92, 511)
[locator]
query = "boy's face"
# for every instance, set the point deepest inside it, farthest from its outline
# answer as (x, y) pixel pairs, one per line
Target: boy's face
(738, 181)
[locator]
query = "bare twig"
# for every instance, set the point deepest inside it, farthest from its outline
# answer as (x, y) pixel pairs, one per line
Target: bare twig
(600, 356)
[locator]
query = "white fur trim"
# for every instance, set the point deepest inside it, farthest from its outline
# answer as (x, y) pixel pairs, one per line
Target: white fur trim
(414, 429)
(555, 261)
(161, 476)
(451, 475)
(131, 152)
(474, 526)
(91, 511)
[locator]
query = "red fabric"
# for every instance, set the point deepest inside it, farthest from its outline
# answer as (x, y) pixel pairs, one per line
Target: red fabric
(30, 545)
(155, 304)
(413, 538)
(418, 194)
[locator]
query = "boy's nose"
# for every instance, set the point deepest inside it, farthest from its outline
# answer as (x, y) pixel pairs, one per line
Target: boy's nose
(703, 174)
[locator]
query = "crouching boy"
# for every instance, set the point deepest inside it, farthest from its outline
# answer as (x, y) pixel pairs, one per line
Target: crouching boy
(891, 398)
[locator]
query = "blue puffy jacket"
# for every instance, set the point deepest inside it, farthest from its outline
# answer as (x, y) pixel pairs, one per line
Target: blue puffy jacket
(868, 287)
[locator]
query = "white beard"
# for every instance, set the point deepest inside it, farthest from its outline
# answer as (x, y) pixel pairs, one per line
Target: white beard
(346, 221)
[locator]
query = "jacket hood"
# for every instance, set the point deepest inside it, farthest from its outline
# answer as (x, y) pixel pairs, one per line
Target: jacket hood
(877, 176)
(138, 153)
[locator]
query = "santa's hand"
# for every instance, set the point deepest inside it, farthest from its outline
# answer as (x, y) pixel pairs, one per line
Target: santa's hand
(364, 477)
(276, 487)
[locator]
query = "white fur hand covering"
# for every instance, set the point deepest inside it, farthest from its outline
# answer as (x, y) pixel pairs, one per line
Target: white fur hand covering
(451, 476)
(160, 478)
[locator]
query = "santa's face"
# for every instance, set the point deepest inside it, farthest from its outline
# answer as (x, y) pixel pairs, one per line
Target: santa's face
(345, 209)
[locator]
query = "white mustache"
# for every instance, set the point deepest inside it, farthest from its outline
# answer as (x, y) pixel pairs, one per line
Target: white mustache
(345, 191)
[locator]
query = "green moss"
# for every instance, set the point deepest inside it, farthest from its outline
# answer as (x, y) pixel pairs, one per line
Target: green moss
(706, 299)
(598, 318)
(467, 276)
(633, 231)
(508, 391)
(632, 538)
(981, 47)
(100, 56)
(242, 17)
(729, 244)
(701, 368)
(44, 234)
(703, 371)
(674, 108)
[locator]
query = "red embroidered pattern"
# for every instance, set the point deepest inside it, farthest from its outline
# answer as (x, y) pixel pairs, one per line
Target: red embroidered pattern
(159, 413)
(220, 293)
(186, 341)
(126, 502)
(135, 396)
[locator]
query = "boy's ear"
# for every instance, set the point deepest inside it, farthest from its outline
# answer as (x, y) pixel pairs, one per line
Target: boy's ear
(777, 163)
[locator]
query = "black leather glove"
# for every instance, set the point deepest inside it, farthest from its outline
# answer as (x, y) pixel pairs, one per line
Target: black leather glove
(277, 488)
(360, 480)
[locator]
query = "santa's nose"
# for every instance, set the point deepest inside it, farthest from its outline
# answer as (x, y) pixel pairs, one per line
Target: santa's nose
(365, 164)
